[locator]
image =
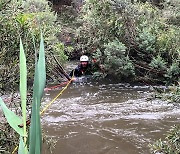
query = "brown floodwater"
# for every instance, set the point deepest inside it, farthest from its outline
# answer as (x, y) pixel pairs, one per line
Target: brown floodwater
(106, 117)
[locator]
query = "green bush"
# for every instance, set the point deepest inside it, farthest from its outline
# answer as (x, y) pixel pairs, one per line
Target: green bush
(116, 58)
(158, 63)
(159, 40)
(173, 72)
(151, 40)
(99, 25)
(102, 35)
(146, 41)
(168, 43)
(171, 145)
(26, 19)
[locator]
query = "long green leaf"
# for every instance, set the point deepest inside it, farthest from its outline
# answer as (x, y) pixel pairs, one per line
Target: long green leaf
(39, 85)
(41, 68)
(23, 85)
(22, 148)
(12, 118)
(35, 128)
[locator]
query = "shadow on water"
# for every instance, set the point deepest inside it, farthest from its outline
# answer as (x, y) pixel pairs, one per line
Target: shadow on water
(106, 118)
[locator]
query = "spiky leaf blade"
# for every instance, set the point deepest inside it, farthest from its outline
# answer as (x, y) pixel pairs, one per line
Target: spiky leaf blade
(12, 118)
(23, 85)
(22, 148)
(41, 68)
(39, 85)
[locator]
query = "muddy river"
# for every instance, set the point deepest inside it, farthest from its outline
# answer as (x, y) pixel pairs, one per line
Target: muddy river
(106, 118)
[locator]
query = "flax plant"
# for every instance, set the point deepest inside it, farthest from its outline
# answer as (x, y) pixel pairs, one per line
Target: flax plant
(39, 85)
(35, 139)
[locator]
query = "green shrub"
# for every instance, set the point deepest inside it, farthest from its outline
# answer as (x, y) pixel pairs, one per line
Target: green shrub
(168, 43)
(14, 120)
(171, 145)
(99, 25)
(146, 41)
(116, 60)
(26, 19)
(158, 63)
(151, 41)
(173, 72)
(102, 35)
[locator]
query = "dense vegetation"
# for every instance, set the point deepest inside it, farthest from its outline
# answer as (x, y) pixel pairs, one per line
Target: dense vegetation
(128, 39)
(136, 40)
(26, 19)
(170, 145)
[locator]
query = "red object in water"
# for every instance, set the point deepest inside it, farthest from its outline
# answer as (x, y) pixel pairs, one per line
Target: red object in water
(53, 87)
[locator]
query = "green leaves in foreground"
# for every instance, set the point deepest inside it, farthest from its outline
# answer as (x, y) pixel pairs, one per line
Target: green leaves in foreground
(23, 93)
(22, 147)
(39, 84)
(23, 86)
(13, 119)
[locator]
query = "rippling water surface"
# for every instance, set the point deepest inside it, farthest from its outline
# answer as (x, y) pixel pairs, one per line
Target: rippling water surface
(106, 118)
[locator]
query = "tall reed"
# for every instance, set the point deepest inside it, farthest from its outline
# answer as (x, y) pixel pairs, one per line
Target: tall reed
(35, 137)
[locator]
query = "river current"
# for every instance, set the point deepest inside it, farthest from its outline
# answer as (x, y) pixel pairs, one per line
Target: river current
(106, 118)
